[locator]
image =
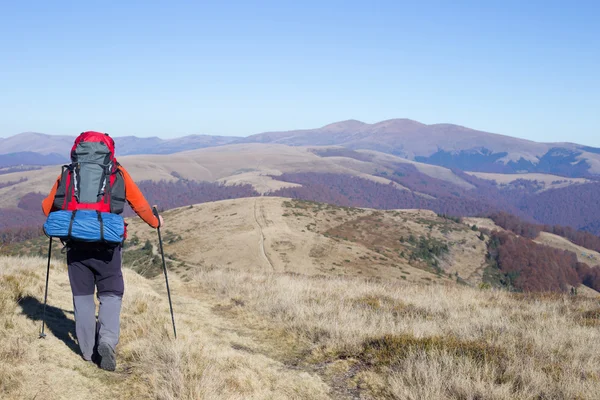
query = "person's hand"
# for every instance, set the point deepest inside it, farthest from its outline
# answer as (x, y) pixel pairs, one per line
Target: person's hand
(160, 218)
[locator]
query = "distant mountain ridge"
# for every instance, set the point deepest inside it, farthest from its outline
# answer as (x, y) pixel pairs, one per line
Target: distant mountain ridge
(31, 158)
(447, 145)
(127, 145)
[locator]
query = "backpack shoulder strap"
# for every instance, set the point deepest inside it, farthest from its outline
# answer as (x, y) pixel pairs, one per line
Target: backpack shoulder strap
(117, 192)
(64, 190)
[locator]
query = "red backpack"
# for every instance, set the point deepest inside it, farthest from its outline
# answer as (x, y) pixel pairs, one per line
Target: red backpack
(92, 181)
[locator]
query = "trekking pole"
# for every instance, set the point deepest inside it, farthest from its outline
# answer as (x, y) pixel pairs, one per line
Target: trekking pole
(42, 334)
(162, 253)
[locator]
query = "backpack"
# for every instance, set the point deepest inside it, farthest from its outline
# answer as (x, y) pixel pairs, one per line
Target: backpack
(92, 181)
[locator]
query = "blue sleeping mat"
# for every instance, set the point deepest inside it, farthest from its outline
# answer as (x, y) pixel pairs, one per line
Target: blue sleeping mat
(85, 226)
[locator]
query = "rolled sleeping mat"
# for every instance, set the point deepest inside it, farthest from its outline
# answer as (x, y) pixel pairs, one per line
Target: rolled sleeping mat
(85, 226)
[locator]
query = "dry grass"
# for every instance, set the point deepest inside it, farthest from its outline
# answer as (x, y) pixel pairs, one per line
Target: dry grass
(320, 239)
(16, 281)
(417, 342)
(201, 364)
(289, 336)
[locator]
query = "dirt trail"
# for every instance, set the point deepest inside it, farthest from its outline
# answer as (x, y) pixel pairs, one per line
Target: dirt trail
(259, 218)
(55, 370)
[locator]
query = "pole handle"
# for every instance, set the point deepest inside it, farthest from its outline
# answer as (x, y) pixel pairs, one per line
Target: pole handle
(155, 212)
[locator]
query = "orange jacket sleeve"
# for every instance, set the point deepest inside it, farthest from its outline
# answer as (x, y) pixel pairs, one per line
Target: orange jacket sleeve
(137, 201)
(48, 202)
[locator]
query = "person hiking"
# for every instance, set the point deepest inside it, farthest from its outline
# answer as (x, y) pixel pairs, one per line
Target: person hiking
(96, 181)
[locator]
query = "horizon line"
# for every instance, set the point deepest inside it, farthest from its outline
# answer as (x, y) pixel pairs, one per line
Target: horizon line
(350, 120)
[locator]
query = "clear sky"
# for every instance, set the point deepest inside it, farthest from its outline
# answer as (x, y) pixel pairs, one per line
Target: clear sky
(522, 68)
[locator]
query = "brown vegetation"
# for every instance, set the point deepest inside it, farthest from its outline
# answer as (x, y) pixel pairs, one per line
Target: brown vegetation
(528, 266)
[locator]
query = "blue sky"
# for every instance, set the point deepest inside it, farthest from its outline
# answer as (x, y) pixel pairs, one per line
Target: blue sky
(526, 69)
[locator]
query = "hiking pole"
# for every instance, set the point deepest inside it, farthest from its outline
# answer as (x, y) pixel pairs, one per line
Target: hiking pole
(42, 334)
(162, 253)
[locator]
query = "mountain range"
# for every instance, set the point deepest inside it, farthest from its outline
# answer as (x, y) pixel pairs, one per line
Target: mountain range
(58, 146)
(386, 165)
(446, 145)
(329, 174)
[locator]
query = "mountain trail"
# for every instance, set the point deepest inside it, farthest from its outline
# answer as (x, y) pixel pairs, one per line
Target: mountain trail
(227, 350)
(261, 221)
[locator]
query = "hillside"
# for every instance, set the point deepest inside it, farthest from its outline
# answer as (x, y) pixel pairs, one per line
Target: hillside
(267, 307)
(276, 234)
(332, 174)
(544, 181)
(583, 254)
(399, 136)
(447, 145)
(282, 235)
(253, 164)
(294, 236)
(258, 165)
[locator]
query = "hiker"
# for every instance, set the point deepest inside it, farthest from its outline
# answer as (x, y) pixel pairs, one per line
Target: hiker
(96, 181)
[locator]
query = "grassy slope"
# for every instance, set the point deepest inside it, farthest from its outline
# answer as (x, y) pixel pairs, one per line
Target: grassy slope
(296, 321)
(288, 336)
(319, 239)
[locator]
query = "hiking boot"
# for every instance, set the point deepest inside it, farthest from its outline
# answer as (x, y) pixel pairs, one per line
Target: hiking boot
(95, 357)
(108, 359)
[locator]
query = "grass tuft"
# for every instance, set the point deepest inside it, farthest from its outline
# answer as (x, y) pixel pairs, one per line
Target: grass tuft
(389, 350)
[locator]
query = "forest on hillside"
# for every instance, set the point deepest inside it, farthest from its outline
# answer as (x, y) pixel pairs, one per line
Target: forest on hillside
(530, 230)
(351, 191)
(518, 263)
(173, 194)
(575, 206)
(24, 222)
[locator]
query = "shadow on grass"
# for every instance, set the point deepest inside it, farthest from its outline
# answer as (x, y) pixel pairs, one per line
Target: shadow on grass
(57, 321)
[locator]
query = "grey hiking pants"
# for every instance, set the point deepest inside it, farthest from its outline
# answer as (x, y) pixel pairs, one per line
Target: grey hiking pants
(93, 267)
